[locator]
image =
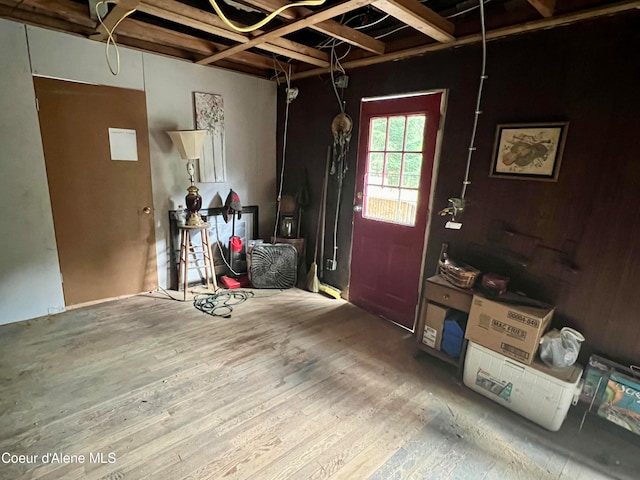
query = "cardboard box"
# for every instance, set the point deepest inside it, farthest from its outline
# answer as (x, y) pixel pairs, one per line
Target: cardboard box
(512, 330)
(433, 325)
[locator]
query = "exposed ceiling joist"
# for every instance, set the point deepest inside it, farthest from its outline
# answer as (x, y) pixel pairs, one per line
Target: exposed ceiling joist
(272, 5)
(176, 28)
(416, 15)
(31, 16)
(9, 3)
(163, 36)
(208, 22)
(318, 17)
(188, 56)
(545, 7)
(191, 17)
(330, 28)
(122, 8)
(63, 9)
(542, 24)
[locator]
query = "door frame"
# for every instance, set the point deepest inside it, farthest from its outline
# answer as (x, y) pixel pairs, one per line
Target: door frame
(444, 92)
(432, 192)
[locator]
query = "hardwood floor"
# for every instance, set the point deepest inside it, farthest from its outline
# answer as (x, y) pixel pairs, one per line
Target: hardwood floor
(292, 386)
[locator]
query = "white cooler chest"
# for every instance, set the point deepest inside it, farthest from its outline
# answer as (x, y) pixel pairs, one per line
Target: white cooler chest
(541, 394)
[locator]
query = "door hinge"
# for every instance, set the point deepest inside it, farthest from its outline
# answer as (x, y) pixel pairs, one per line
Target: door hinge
(61, 278)
(37, 105)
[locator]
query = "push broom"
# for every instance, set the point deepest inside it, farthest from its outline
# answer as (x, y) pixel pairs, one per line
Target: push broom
(313, 283)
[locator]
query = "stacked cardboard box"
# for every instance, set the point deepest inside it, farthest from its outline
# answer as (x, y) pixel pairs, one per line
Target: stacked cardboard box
(513, 331)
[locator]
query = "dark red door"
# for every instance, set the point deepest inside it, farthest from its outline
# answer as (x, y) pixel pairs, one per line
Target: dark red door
(396, 151)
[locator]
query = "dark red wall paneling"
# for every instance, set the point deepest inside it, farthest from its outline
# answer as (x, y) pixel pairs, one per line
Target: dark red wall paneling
(576, 242)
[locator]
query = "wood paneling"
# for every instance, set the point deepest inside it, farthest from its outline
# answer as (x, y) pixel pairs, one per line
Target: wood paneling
(586, 225)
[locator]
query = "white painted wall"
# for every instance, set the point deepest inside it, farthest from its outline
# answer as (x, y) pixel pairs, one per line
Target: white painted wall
(59, 55)
(29, 270)
(250, 136)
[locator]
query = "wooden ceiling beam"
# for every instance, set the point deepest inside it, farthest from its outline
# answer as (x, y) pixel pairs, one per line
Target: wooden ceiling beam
(269, 6)
(318, 17)
(63, 9)
(422, 18)
(188, 56)
(330, 28)
(542, 24)
(208, 22)
(122, 9)
(30, 16)
(10, 4)
(191, 17)
(162, 36)
(544, 7)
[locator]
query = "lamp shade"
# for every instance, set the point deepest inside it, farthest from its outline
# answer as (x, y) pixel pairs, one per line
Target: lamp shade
(188, 142)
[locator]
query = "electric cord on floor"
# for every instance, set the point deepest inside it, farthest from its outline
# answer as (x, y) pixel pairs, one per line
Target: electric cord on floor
(221, 304)
(162, 290)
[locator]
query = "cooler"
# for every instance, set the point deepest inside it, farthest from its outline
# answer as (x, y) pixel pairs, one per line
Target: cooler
(541, 394)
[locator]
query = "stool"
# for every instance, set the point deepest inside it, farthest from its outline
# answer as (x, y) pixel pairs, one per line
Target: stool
(204, 249)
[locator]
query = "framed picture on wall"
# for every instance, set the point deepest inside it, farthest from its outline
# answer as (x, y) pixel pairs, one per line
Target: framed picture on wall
(529, 151)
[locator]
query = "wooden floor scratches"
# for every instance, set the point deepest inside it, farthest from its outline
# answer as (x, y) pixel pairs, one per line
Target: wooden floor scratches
(292, 386)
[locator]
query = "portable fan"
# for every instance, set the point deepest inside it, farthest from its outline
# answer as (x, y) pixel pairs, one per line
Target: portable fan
(273, 265)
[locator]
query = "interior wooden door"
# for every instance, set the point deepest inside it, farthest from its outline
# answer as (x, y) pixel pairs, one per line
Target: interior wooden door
(396, 150)
(102, 208)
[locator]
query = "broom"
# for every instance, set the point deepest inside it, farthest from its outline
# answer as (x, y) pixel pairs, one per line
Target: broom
(313, 284)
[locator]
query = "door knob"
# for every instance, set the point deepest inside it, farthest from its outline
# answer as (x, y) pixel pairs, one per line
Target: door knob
(146, 210)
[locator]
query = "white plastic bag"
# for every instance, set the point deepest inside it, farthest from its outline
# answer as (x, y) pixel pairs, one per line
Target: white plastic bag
(560, 349)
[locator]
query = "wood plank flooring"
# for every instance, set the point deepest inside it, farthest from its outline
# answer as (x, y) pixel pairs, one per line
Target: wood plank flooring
(292, 386)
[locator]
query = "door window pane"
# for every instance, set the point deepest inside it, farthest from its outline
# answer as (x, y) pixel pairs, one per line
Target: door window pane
(415, 133)
(378, 134)
(375, 167)
(394, 167)
(395, 140)
(411, 170)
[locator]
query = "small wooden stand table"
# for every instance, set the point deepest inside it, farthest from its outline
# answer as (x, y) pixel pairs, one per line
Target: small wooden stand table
(438, 290)
(190, 253)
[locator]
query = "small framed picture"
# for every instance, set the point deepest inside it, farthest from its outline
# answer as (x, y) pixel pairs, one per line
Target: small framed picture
(529, 151)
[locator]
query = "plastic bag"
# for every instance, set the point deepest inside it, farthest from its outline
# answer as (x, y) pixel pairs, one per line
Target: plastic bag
(560, 349)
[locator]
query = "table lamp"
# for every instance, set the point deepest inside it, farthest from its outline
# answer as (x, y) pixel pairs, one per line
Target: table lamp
(189, 145)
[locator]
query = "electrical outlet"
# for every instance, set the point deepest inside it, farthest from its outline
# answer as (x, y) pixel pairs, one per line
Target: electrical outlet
(331, 265)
